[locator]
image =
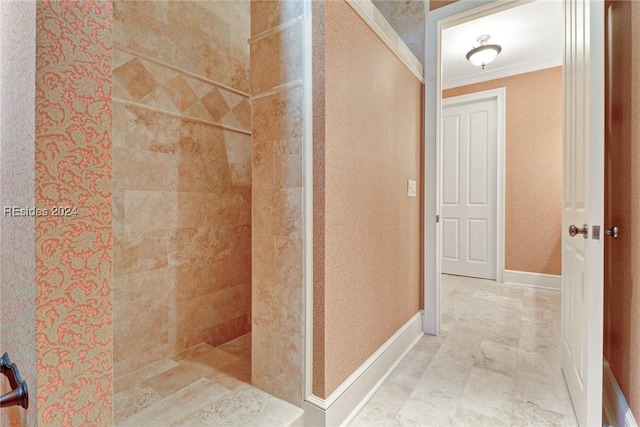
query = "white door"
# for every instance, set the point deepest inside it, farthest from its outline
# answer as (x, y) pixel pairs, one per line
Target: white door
(583, 200)
(469, 207)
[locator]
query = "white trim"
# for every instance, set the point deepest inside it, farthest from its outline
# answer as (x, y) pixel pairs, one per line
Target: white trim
(500, 95)
(370, 15)
(499, 73)
(307, 191)
(278, 89)
(275, 29)
(616, 409)
(182, 116)
(438, 20)
(347, 400)
(535, 280)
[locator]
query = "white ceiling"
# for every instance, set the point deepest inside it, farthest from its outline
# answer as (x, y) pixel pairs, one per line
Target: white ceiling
(531, 37)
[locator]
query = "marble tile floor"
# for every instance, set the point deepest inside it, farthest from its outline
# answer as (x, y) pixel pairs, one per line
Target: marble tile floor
(201, 386)
(496, 363)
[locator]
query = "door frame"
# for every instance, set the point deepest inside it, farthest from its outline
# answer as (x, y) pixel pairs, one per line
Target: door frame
(500, 95)
(437, 21)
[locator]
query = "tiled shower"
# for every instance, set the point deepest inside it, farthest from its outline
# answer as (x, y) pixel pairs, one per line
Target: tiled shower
(182, 177)
(195, 186)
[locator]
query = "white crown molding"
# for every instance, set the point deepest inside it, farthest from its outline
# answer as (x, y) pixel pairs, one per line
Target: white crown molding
(502, 72)
(378, 23)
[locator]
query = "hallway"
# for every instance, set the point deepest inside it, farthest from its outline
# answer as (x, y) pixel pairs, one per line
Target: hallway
(495, 363)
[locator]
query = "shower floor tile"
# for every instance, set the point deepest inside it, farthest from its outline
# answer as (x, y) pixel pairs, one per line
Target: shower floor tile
(203, 385)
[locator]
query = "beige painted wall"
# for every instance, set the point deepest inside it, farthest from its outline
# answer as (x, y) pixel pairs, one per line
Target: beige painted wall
(367, 143)
(622, 200)
(182, 177)
(533, 170)
(17, 179)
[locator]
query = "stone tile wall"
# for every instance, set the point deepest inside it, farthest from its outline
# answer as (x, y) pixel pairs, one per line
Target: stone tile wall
(278, 317)
(182, 177)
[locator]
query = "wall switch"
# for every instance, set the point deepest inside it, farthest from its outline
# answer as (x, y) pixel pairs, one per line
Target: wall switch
(411, 188)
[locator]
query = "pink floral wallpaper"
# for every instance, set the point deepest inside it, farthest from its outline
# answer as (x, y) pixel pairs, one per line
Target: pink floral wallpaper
(74, 240)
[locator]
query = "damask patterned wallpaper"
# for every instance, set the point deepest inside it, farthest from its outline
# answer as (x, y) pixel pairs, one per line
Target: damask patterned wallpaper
(74, 244)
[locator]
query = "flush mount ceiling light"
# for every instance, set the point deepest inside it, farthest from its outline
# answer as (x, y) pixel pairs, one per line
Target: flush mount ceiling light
(485, 53)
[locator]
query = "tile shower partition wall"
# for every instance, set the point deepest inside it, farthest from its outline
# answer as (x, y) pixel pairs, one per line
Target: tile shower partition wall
(182, 177)
(73, 253)
(278, 317)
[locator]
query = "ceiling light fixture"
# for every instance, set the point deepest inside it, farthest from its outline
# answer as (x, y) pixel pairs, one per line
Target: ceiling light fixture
(485, 53)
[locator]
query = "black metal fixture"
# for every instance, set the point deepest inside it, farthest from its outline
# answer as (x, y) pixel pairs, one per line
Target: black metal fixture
(19, 394)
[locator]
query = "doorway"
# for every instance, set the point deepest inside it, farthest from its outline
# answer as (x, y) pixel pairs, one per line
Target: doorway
(473, 185)
(583, 36)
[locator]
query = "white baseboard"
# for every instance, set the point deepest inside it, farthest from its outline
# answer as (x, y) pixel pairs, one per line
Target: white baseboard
(615, 407)
(535, 280)
(344, 404)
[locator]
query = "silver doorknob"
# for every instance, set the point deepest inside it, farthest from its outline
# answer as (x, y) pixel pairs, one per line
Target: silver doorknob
(573, 230)
(613, 232)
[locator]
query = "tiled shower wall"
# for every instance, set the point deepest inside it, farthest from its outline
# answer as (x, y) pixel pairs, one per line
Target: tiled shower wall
(182, 177)
(278, 320)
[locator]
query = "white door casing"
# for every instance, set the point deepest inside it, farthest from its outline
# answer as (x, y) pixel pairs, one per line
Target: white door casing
(438, 20)
(472, 136)
(583, 203)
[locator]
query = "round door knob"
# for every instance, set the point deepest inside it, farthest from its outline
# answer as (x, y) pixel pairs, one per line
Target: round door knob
(573, 230)
(613, 232)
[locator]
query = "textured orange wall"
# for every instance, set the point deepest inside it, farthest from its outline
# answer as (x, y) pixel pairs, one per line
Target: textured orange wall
(372, 145)
(622, 199)
(74, 253)
(533, 171)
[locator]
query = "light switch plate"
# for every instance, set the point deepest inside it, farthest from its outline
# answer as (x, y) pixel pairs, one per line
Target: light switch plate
(411, 188)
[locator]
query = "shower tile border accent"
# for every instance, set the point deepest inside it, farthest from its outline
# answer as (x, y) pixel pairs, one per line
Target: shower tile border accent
(165, 64)
(74, 332)
(178, 115)
(143, 82)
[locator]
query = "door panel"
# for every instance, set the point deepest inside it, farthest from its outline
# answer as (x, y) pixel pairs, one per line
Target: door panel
(478, 244)
(451, 161)
(583, 193)
(478, 162)
(469, 209)
(451, 246)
